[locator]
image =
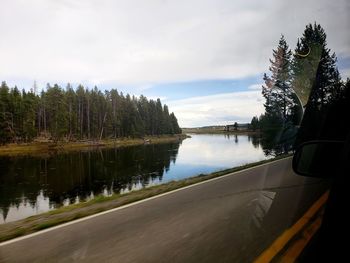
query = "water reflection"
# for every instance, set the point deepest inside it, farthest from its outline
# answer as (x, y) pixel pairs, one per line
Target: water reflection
(31, 185)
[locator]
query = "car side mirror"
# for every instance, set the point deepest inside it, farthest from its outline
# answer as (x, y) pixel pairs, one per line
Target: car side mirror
(317, 158)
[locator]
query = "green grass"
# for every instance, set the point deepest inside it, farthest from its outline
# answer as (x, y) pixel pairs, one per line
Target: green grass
(102, 203)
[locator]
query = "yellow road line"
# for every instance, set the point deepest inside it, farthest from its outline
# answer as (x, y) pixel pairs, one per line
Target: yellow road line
(295, 250)
(287, 235)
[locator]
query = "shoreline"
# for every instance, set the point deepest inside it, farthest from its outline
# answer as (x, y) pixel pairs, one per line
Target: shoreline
(101, 203)
(40, 148)
(211, 131)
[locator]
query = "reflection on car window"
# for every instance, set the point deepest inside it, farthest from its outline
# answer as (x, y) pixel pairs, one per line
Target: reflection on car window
(304, 84)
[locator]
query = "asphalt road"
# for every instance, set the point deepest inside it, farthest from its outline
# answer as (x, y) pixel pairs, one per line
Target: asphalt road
(231, 219)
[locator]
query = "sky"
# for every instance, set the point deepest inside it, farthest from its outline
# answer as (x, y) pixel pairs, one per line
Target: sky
(204, 59)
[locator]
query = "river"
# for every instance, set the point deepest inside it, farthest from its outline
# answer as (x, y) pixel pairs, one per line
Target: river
(31, 185)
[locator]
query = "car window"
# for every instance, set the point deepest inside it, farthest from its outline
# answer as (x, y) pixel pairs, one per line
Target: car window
(159, 131)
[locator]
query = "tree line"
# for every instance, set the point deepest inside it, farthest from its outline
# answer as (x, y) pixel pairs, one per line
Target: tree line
(307, 78)
(81, 113)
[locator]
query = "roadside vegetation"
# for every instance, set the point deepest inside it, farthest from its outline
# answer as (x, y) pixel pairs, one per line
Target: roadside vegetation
(102, 203)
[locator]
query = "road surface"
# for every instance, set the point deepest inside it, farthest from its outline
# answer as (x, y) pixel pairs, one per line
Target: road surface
(231, 219)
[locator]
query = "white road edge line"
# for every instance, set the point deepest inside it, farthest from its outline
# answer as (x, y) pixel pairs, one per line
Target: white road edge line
(131, 204)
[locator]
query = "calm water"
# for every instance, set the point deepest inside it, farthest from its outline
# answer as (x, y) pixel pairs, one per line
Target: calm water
(31, 185)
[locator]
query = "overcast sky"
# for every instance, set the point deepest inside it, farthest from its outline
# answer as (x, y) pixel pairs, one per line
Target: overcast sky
(205, 59)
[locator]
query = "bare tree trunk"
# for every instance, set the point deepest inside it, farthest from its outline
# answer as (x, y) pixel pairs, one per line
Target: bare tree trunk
(44, 119)
(82, 120)
(88, 117)
(78, 119)
(114, 119)
(39, 121)
(70, 121)
(104, 119)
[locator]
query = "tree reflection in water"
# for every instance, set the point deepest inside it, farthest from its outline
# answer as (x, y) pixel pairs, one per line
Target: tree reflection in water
(68, 177)
(30, 185)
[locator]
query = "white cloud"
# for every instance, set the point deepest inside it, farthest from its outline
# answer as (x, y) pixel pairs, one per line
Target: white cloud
(144, 87)
(345, 73)
(155, 41)
(255, 86)
(218, 109)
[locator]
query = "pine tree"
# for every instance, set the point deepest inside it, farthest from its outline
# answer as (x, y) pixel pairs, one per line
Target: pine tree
(315, 66)
(71, 105)
(114, 100)
(6, 131)
(57, 112)
(80, 92)
(254, 124)
(281, 102)
(277, 89)
(143, 109)
(175, 126)
(167, 122)
(322, 89)
(78, 114)
(153, 117)
(159, 118)
(30, 104)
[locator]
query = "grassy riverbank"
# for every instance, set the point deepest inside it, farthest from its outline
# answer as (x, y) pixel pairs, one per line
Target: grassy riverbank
(103, 203)
(35, 148)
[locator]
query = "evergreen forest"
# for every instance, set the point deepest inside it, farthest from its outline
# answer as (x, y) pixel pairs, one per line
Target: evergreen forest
(77, 114)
